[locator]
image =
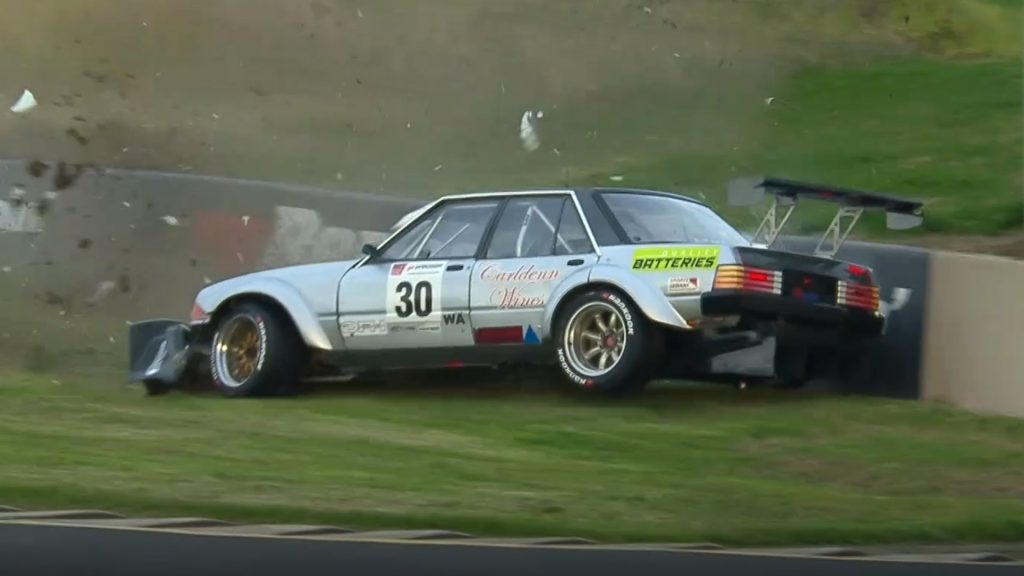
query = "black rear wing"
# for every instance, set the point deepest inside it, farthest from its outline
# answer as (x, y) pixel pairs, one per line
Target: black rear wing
(900, 213)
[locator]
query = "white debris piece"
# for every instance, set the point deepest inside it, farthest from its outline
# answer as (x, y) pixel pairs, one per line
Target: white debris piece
(207, 280)
(170, 220)
(245, 220)
(5, 269)
(111, 339)
(103, 289)
(438, 167)
(615, 178)
(359, 12)
(26, 102)
(339, 176)
(215, 116)
(528, 129)
(768, 101)
(50, 195)
(647, 10)
(126, 205)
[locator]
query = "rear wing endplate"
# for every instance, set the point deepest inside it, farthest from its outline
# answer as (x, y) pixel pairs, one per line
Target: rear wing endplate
(900, 213)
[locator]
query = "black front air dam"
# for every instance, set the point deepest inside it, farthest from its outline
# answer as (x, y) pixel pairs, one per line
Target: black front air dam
(775, 307)
(159, 350)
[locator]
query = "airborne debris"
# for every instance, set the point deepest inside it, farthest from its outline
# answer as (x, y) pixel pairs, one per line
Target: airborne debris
(126, 204)
(103, 289)
(170, 220)
(26, 102)
(768, 101)
(359, 12)
(5, 269)
(438, 167)
(615, 178)
(647, 10)
(245, 220)
(528, 129)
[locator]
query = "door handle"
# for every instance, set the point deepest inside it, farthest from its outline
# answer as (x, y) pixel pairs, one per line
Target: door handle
(453, 267)
(575, 261)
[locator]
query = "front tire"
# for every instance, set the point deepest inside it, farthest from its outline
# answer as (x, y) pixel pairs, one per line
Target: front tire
(255, 351)
(605, 344)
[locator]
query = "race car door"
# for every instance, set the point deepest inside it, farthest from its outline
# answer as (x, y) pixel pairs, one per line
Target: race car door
(537, 242)
(415, 292)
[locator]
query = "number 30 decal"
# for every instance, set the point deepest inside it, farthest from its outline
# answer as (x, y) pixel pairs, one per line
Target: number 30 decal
(418, 299)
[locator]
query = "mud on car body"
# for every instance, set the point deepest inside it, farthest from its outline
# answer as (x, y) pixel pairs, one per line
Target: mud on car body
(612, 287)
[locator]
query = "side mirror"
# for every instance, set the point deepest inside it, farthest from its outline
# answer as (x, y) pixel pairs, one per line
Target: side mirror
(370, 250)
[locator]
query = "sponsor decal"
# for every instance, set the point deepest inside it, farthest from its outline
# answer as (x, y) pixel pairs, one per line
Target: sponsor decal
(523, 274)
(453, 319)
(263, 343)
(525, 286)
(514, 297)
(375, 326)
(413, 296)
(684, 285)
(671, 259)
(584, 382)
(622, 308)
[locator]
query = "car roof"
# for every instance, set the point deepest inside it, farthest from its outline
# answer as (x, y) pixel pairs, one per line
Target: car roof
(580, 191)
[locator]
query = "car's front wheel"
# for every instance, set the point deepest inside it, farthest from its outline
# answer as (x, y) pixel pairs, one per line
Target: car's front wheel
(255, 351)
(604, 343)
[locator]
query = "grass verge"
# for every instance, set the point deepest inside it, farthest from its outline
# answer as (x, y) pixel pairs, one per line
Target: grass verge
(678, 464)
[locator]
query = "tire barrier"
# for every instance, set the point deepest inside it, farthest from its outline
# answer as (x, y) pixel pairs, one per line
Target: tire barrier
(159, 237)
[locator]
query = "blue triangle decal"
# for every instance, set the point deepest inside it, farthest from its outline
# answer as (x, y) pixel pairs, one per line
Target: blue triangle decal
(530, 337)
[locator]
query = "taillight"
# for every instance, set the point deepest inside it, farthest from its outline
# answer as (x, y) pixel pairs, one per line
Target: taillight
(857, 296)
(735, 277)
(198, 314)
(860, 272)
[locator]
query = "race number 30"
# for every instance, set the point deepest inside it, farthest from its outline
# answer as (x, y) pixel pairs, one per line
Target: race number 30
(418, 299)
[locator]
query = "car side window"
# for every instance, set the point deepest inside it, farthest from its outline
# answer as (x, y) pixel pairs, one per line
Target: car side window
(572, 237)
(453, 231)
(533, 227)
(403, 246)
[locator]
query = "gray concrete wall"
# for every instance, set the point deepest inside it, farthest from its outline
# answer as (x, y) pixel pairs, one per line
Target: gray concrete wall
(974, 333)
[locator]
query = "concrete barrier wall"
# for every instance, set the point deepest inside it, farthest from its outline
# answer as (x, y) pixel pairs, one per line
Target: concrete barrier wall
(974, 336)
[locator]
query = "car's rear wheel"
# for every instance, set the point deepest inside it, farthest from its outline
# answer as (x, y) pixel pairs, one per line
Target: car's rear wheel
(605, 344)
(255, 351)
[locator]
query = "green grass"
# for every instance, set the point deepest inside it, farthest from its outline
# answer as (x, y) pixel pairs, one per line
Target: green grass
(679, 464)
(948, 133)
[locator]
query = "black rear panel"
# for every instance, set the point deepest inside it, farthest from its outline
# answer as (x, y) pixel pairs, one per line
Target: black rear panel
(795, 267)
(810, 288)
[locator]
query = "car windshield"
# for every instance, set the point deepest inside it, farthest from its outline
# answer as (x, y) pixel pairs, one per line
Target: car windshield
(647, 218)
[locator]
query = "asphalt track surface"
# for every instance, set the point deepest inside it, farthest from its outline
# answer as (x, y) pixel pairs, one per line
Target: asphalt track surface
(32, 549)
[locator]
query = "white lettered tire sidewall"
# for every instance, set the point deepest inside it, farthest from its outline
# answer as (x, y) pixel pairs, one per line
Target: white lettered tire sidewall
(633, 369)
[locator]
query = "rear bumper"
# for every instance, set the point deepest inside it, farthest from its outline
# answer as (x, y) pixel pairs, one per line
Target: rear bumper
(791, 311)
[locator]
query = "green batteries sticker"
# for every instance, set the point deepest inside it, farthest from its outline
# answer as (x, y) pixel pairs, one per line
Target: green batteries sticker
(672, 259)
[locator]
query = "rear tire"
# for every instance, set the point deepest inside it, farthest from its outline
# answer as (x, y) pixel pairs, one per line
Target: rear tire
(605, 344)
(256, 351)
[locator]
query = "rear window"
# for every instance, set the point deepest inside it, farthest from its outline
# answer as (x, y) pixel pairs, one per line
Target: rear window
(650, 219)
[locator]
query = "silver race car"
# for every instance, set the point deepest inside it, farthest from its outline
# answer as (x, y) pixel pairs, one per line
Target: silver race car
(613, 287)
